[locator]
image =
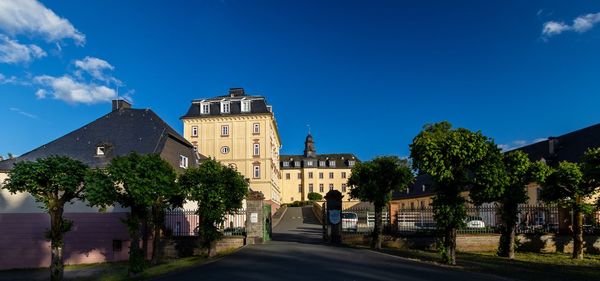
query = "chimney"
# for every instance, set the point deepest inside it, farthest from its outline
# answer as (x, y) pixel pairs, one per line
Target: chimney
(236, 92)
(120, 104)
(552, 145)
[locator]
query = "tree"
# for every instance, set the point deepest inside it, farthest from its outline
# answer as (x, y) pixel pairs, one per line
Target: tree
(570, 184)
(374, 181)
(54, 182)
(140, 182)
(518, 172)
(457, 160)
(314, 196)
(219, 190)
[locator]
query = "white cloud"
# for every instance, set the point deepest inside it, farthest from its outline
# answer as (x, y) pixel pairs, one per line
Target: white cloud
(41, 94)
(518, 143)
(8, 80)
(68, 89)
(31, 17)
(97, 68)
(32, 116)
(580, 24)
(13, 52)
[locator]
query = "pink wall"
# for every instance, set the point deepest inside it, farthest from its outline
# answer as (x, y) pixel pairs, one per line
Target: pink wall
(23, 245)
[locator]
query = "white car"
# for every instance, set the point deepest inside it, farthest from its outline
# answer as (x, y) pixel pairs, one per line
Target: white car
(349, 221)
(475, 222)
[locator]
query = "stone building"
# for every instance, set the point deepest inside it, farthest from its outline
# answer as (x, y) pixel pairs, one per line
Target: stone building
(239, 130)
(312, 172)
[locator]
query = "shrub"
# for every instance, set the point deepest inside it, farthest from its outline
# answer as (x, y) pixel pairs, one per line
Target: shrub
(313, 196)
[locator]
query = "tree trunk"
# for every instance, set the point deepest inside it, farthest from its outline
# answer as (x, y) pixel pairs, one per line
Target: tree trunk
(507, 239)
(450, 246)
(136, 255)
(577, 230)
(56, 240)
(378, 228)
(157, 218)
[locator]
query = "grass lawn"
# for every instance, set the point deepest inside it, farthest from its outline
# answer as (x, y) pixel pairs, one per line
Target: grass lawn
(525, 266)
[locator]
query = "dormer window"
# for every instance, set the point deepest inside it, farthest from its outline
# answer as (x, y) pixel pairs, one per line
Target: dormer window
(183, 162)
(286, 163)
(225, 107)
(204, 108)
(100, 150)
(245, 106)
(309, 163)
(296, 163)
(351, 163)
(322, 163)
(331, 163)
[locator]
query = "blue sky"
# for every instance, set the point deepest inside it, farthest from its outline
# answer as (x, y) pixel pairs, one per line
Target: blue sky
(366, 75)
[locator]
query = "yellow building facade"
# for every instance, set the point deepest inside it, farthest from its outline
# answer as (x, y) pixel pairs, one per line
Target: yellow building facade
(312, 172)
(240, 131)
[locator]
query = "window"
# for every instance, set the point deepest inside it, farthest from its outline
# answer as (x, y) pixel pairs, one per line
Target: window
(117, 245)
(310, 187)
(422, 205)
(296, 163)
(344, 187)
(256, 151)
(245, 106)
(100, 150)
(330, 186)
(412, 205)
(287, 176)
(320, 175)
(322, 163)
(224, 130)
(320, 187)
(403, 206)
(225, 149)
(194, 131)
(343, 175)
(204, 108)
(183, 161)
(256, 128)
(299, 176)
(300, 188)
(225, 107)
(286, 163)
(351, 163)
(256, 171)
(309, 163)
(331, 175)
(310, 175)
(331, 163)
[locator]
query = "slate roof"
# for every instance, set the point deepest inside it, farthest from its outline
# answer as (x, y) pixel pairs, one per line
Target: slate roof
(258, 104)
(123, 131)
(341, 160)
(422, 186)
(567, 147)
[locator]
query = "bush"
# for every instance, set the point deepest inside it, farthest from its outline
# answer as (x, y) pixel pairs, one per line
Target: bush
(299, 203)
(313, 196)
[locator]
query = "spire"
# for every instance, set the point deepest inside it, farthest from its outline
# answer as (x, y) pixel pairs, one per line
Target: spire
(309, 146)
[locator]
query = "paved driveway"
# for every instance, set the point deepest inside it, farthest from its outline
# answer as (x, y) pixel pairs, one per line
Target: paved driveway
(297, 254)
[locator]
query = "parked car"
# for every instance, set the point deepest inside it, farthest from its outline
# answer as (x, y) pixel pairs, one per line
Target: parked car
(474, 222)
(349, 221)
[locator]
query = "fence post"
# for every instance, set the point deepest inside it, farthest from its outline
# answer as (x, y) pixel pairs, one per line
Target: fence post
(255, 218)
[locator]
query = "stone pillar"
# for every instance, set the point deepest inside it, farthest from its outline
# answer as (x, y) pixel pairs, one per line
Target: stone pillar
(334, 215)
(255, 218)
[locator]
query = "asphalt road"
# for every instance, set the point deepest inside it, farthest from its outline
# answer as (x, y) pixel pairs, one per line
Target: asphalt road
(296, 253)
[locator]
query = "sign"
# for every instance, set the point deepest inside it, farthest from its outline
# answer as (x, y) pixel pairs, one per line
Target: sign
(334, 216)
(254, 217)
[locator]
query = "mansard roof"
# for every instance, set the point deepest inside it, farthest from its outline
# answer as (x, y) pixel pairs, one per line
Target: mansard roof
(258, 105)
(342, 160)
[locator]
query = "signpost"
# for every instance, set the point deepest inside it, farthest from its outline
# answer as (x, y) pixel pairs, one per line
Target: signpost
(334, 215)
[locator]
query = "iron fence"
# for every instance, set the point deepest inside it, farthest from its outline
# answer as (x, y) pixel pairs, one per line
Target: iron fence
(361, 221)
(480, 220)
(187, 222)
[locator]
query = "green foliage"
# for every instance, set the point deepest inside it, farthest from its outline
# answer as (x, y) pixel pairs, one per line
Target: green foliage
(314, 196)
(374, 181)
(219, 190)
(570, 184)
(139, 182)
(54, 182)
(457, 160)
